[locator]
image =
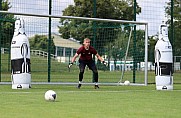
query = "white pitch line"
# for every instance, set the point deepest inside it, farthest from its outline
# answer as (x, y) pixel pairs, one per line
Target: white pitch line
(96, 91)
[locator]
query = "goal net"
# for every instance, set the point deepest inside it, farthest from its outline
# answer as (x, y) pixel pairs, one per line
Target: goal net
(55, 39)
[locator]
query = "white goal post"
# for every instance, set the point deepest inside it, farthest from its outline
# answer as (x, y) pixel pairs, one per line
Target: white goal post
(101, 20)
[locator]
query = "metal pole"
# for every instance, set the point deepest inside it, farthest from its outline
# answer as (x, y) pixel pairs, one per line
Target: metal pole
(172, 35)
(134, 46)
(0, 37)
(49, 42)
(146, 54)
(94, 23)
(94, 32)
(126, 54)
(172, 30)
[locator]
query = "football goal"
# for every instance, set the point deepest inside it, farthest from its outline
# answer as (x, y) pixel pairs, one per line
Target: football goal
(123, 45)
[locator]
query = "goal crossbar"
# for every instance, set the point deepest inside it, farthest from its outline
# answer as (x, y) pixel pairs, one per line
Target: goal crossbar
(74, 17)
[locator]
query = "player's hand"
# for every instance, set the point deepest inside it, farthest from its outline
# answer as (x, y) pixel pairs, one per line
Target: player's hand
(104, 63)
(70, 65)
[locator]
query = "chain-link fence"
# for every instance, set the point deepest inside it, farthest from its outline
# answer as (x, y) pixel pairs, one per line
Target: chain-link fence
(65, 40)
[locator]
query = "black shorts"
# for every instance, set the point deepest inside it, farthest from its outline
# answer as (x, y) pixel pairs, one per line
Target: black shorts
(91, 64)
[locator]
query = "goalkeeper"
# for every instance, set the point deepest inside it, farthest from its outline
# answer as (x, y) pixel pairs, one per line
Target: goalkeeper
(86, 52)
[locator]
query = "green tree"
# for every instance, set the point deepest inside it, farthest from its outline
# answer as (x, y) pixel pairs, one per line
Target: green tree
(116, 50)
(140, 46)
(40, 42)
(7, 25)
(151, 48)
(79, 29)
(177, 25)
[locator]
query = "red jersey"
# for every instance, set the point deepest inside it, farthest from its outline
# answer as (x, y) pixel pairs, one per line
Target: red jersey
(86, 55)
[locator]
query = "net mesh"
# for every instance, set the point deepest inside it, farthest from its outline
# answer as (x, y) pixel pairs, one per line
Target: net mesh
(110, 39)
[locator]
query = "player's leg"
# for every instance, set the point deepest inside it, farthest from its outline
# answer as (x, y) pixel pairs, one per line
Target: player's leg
(93, 67)
(82, 65)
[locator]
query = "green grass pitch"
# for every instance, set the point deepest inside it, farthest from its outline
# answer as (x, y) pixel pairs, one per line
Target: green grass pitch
(106, 102)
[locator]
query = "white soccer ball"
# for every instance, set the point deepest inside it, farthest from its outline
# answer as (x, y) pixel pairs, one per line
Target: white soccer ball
(126, 82)
(50, 95)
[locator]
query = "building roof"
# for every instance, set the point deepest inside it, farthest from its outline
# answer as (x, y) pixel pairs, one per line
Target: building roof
(67, 43)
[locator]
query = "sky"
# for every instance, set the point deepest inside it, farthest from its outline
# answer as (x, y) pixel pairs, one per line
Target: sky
(152, 12)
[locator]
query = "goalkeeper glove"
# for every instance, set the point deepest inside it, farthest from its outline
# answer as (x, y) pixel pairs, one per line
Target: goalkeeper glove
(104, 63)
(70, 65)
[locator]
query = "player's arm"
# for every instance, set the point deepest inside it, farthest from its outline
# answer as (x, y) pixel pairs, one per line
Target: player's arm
(101, 59)
(74, 58)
